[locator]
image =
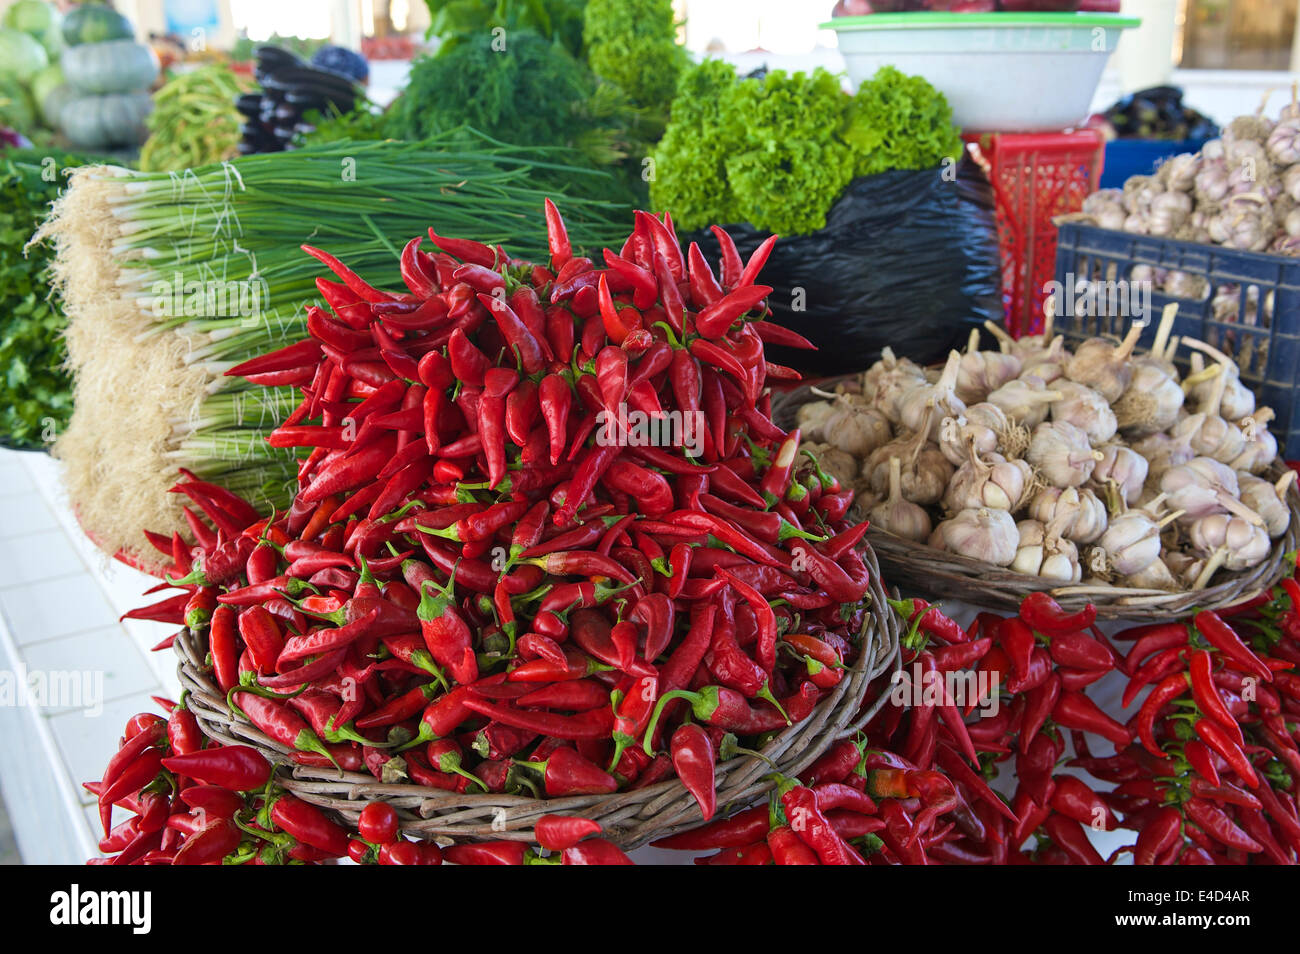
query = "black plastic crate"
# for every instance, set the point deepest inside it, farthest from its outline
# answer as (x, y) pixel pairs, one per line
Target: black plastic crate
(1258, 324)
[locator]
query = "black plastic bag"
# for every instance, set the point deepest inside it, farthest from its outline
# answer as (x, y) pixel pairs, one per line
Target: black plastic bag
(907, 260)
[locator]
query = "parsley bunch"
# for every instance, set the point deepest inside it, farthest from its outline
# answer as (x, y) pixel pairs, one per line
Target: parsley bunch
(35, 390)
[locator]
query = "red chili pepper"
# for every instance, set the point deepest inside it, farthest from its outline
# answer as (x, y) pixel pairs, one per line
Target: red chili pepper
(210, 844)
(811, 826)
(519, 338)
(1044, 614)
(772, 333)
(716, 318)
(308, 824)
(732, 267)
(1074, 710)
(1206, 694)
(595, 851)
(1214, 735)
(1169, 689)
(237, 768)
(743, 828)
(559, 832)
(595, 724)
(695, 762)
(1215, 823)
(1159, 835)
(557, 238)
(704, 287)
(466, 250)
(1068, 835)
(1221, 636)
(1074, 799)
(567, 773)
(445, 632)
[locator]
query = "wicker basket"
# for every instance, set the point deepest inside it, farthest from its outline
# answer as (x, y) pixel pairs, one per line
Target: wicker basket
(939, 574)
(629, 818)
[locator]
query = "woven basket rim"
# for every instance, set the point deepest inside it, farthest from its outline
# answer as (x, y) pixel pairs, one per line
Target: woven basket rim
(938, 573)
(630, 818)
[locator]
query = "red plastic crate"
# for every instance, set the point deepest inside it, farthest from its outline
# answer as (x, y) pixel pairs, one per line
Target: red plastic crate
(1036, 177)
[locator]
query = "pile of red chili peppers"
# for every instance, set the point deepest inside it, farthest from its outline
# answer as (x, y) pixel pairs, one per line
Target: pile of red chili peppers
(1213, 776)
(475, 589)
(1212, 779)
(196, 803)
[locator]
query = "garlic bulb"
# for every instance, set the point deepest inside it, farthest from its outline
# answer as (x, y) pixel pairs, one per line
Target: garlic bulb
(1261, 445)
(1169, 210)
(1203, 487)
(1211, 184)
(1283, 143)
(1132, 541)
(897, 515)
(924, 406)
(983, 371)
(987, 535)
(997, 483)
(1024, 400)
(1164, 451)
(1268, 500)
(1061, 453)
(1216, 437)
(855, 429)
(1157, 576)
(842, 466)
(811, 417)
(1103, 365)
(1233, 543)
(890, 366)
(958, 433)
(925, 471)
(1044, 552)
(1150, 403)
(887, 380)
(1291, 182)
(1124, 469)
(1179, 172)
(1078, 512)
(1046, 364)
(1237, 401)
(1085, 409)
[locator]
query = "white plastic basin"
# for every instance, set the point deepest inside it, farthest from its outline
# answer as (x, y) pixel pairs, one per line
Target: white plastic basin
(1001, 72)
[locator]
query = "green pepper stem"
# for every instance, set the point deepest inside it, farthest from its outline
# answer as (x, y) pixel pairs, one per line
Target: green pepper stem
(659, 710)
(766, 693)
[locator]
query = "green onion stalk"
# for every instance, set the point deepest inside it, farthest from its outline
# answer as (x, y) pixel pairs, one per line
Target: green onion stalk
(173, 278)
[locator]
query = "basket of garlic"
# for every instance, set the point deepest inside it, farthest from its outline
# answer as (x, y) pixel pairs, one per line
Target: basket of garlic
(1103, 476)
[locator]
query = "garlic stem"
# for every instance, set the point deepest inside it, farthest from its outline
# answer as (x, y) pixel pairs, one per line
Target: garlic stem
(1211, 567)
(1285, 481)
(1128, 344)
(1200, 377)
(973, 342)
(1005, 341)
(1236, 507)
(1197, 345)
(1049, 317)
(1174, 342)
(1162, 331)
(1169, 518)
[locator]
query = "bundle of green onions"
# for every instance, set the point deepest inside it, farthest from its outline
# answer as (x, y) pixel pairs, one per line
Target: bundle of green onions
(171, 279)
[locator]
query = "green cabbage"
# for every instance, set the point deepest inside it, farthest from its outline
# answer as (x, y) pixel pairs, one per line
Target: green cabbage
(21, 56)
(38, 20)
